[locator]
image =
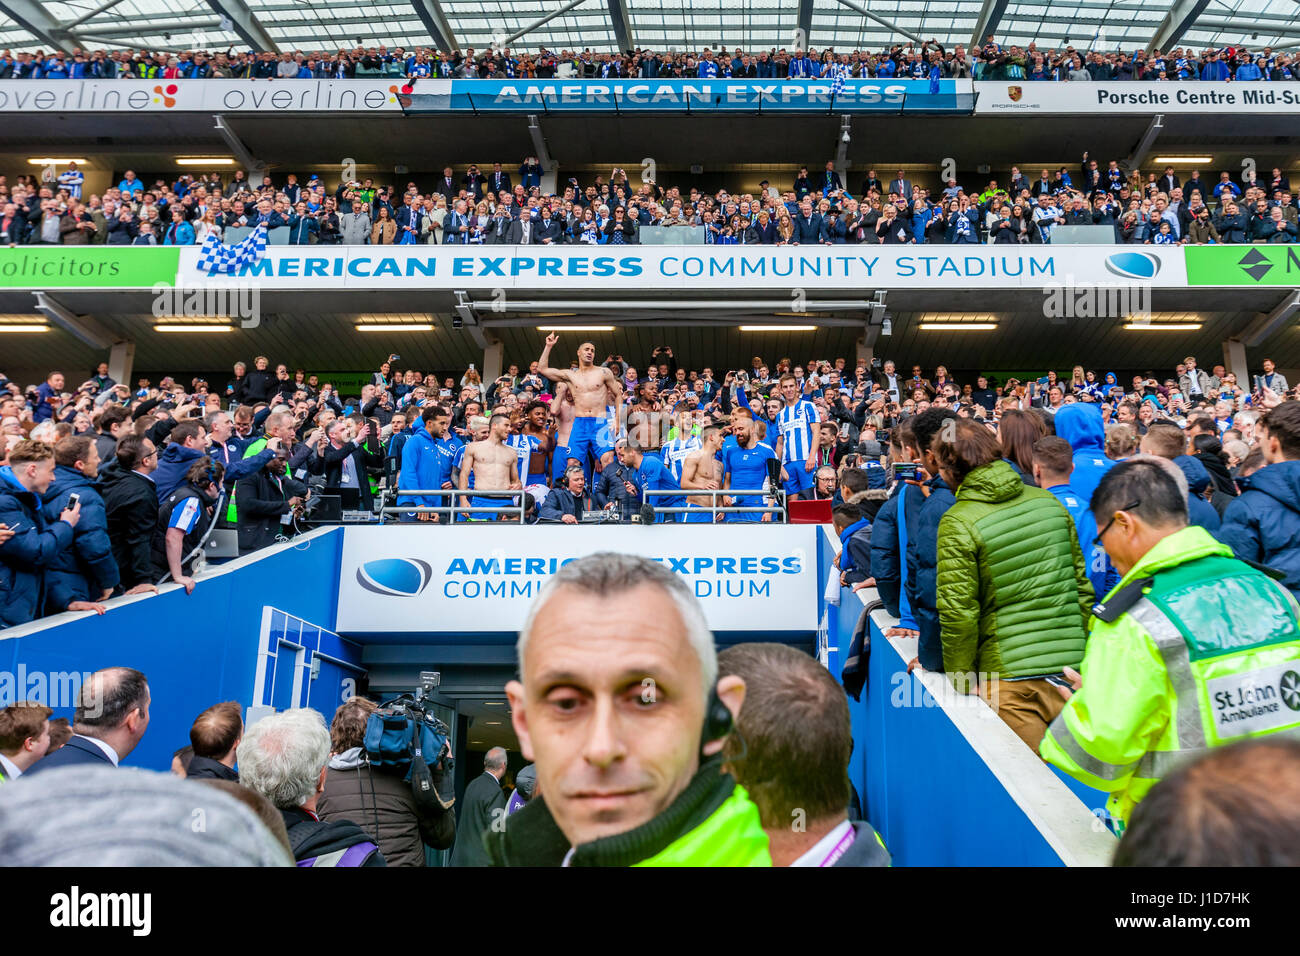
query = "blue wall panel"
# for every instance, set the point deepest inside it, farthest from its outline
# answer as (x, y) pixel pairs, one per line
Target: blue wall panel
(929, 794)
(196, 649)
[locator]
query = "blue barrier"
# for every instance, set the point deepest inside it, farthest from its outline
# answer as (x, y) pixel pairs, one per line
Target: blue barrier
(943, 780)
(196, 649)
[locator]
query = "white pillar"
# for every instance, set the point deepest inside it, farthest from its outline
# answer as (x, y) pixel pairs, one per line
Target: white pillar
(550, 178)
(492, 362)
(865, 352)
(120, 362)
(1234, 359)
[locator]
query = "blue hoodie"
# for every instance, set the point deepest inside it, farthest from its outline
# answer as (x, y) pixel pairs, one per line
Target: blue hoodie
(1080, 424)
(1199, 511)
(172, 465)
(84, 571)
(923, 562)
(1263, 523)
(24, 557)
(426, 466)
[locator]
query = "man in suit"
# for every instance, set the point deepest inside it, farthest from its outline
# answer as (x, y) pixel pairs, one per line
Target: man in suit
(473, 182)
(479, 810)
(902, 186)
(346, 459)
(523, 232)
(408, 220)
(1168, 182)
(807, 225)
(831, 179)
(24, 738)
(499, 181)
(447, 186)
(456, 229)
(111, 717)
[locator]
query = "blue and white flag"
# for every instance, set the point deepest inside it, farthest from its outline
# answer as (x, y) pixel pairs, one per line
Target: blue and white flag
(837, 86)
(216, 257)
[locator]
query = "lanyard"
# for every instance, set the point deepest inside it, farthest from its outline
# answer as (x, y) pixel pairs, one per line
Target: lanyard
(840, 848)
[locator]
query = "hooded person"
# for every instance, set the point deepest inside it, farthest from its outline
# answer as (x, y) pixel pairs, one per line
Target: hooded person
(525, 789)
(1199, 511)
(1263, 524)
(1081, 425)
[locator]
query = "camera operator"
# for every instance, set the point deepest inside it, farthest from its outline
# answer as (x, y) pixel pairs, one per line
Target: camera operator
(269, 502)
(566, 503)
(184, 517)
(381, 803)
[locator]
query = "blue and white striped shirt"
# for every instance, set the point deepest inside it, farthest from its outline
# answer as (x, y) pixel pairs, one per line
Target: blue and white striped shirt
(797, 424)
(674, 453)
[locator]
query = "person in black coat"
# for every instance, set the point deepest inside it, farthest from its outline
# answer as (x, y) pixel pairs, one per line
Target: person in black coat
(131, 502)
(483, 802)
(263, 499)
(258, 385)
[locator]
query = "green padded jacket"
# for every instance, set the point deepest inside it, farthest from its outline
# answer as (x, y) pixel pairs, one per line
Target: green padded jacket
(1014, 597)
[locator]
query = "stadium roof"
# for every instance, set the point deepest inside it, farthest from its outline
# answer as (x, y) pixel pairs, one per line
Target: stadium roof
(606, 25)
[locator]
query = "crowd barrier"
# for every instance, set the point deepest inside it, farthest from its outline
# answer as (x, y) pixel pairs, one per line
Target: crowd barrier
(942, 779)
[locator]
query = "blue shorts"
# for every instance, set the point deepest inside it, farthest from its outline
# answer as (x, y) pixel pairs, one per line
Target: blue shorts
(559, 459)
(584, 442)
(477, 502)
(798, 480)
(698, 515)
(746, 517)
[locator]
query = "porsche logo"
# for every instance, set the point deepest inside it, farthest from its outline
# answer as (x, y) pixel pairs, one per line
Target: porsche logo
(1015, 92)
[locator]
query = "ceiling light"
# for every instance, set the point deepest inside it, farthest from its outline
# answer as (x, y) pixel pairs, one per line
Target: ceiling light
(205, 161)
(48, 161)
(493, 723)
(575, 328)
(1190, 160)
(777, 328)
(394, 327)
(17, 327)
(959, 326)
(1162, 326)
(206, 327)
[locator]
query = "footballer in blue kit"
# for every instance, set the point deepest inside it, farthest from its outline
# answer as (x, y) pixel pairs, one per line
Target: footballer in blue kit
(744, 466)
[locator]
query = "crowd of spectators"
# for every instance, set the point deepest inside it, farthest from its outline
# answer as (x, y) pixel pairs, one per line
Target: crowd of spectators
(114, 486)
(912, 61)
(508, 207)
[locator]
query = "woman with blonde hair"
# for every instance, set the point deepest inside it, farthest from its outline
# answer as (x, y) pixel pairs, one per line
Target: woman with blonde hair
(435, 214)
(207, 226)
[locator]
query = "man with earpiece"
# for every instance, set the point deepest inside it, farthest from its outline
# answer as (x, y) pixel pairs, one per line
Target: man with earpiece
(566, 502)
(625, 727)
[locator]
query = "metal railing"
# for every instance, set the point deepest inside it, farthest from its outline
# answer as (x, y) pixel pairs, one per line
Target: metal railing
(715, 509)
(511, 507)
(517, 509)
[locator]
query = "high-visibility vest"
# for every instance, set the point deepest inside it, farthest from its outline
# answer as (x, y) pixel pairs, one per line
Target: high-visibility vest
(1192, 650)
